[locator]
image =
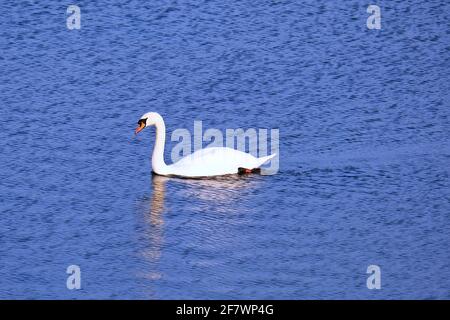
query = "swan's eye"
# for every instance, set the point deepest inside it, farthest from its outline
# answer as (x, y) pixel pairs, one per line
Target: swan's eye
(142, 121)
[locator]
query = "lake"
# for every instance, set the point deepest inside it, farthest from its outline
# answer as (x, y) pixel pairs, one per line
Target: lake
(364, 152)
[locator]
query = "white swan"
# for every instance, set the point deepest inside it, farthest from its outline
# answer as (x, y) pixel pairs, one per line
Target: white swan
(213, 161)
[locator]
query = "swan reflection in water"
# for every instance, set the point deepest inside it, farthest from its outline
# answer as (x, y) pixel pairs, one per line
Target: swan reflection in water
(154, 226)
(204, 195)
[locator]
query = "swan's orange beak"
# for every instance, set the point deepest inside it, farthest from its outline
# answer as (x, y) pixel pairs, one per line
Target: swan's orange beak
(139, 128)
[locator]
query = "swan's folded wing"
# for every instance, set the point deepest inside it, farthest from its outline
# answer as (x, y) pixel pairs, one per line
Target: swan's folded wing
(213, 161)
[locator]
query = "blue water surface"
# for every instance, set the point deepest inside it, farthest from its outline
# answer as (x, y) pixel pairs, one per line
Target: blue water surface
(364, 149)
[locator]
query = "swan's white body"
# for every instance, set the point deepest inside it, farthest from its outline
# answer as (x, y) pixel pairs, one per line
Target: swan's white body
(214, 162)
(208, 162)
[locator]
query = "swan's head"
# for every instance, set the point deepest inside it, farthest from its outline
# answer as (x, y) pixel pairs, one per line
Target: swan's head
(148, 119)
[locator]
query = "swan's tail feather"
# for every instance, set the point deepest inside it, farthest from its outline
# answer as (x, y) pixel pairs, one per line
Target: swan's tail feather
(263, 160)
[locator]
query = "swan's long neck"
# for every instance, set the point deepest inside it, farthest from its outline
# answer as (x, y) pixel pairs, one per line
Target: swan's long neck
(158, 164)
